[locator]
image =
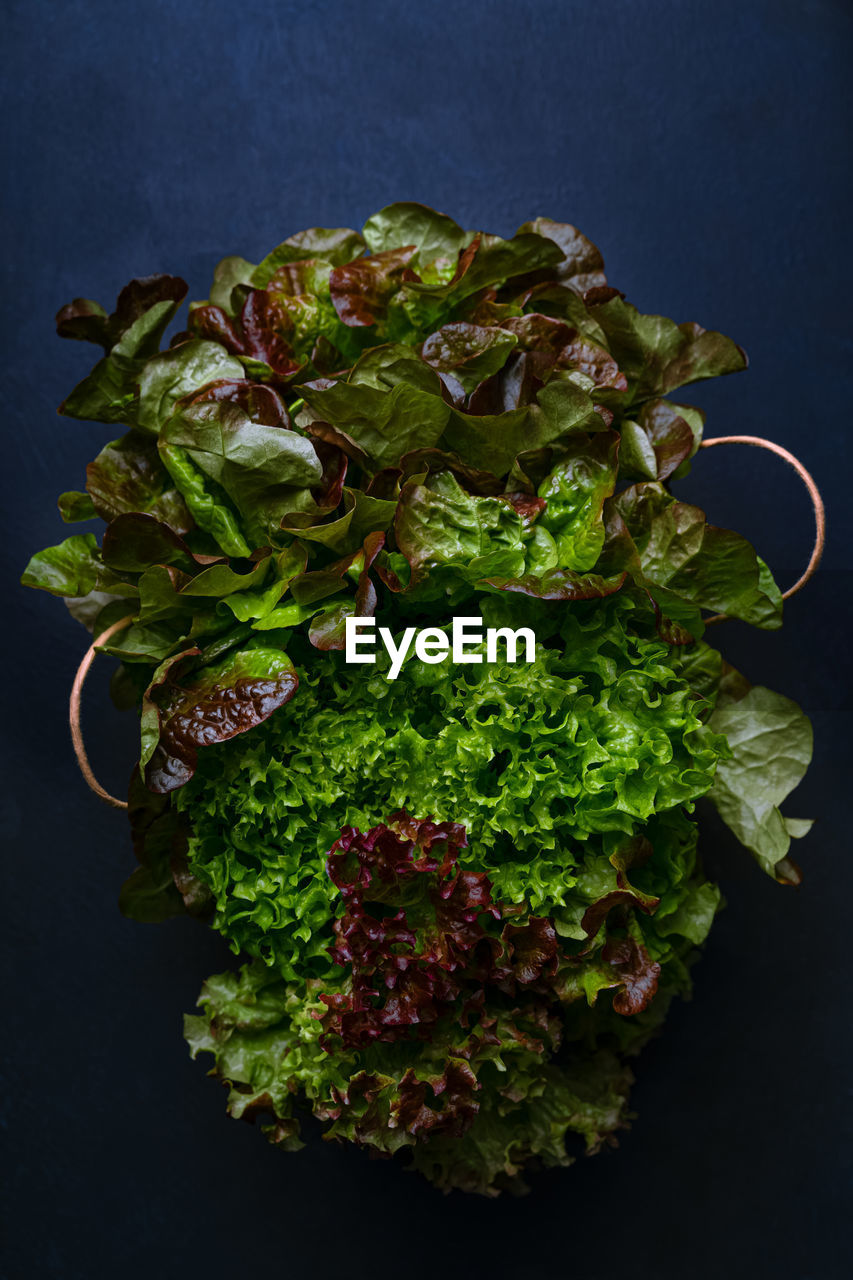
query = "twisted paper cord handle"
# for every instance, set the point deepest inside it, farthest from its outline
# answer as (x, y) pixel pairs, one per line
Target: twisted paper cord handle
(758, 441)
(817, 504)
(74, 713)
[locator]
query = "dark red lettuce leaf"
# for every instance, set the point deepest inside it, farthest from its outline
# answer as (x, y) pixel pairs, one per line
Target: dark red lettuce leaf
(582, 266)
(361, 289)
(470, 352)
(84, 320)
(139, 296)
(134, 540)
(407, 967)
(638, 974)
(180, 715)
(423, 941)
(87, 320)
(162, 885)
(532, 949)
(553, 343)
(525, 505)
(260, 333)
(560, 584)
(596, 914)
(511, 387)
(669, 434)
(128, 476)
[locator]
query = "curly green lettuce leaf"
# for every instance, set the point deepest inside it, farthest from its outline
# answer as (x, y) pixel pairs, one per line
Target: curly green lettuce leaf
(609, 739)
(470, 1107)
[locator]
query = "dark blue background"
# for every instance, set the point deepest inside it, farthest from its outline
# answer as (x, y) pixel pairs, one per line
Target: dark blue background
(705, 147)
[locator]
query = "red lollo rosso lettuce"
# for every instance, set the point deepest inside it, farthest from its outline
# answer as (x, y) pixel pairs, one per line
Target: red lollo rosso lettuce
(445, 1025)
(405, 423)
(435, 951)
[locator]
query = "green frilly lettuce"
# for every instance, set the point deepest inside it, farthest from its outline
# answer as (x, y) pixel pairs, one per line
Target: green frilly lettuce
(548, 766)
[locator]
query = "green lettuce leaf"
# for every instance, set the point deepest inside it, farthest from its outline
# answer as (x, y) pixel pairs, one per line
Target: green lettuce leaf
(437, 239)
(575, 492)
(264, 470)
(75, 506)
(682, 556)
(439, 524)
(661, 440)
(445, 741)
(74, 568)
(127, 476)
(468, 351)
(178, 372)
(334, 246)
(377, 427)
(771, 746)
(129, 337)
(656, 354)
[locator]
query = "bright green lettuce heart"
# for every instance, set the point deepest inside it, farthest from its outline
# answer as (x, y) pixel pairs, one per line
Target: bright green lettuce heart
(575, 493)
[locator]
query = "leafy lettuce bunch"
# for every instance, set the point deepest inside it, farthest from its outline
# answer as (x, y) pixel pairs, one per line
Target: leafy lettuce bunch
(463, 897)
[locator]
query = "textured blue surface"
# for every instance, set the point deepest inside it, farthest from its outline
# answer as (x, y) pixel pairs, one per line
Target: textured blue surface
(705, 147)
